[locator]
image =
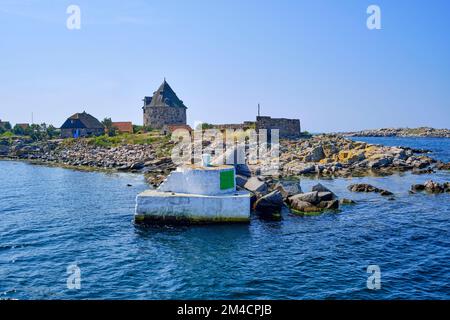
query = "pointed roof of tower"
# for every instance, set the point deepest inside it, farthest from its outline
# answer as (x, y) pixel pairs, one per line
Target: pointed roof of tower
(166, 97)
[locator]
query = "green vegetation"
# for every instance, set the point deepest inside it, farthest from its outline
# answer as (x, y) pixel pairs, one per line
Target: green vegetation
(137, 128)
(5, 127)
(109, 128)
(37, 132)
(7, 134)
(204, 126)
(126, 138)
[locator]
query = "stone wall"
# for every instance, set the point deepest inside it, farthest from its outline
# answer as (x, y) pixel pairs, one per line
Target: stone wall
(289, 128)
(157, 117)
(234, 126)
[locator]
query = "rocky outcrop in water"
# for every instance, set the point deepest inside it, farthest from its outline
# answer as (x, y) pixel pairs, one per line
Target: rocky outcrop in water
(431, 187)
(402, 132)
(333, 155)
(364, 187)
(316, 201)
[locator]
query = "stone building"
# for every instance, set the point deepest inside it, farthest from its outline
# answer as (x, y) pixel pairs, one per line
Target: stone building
(163, 108)
(5, 125)
(289, 128)
(81, 125)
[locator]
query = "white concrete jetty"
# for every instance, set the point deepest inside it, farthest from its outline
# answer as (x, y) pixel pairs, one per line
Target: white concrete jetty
(195, 194)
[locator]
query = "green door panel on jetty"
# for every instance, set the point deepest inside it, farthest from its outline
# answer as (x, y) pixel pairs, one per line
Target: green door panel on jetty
(226, 179)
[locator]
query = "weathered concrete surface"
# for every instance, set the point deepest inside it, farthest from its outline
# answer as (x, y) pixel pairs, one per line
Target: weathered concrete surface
(153, 205)
(198, 180)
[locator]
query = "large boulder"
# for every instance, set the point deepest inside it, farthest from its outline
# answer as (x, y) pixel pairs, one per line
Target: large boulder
(254, 184)
(434, 187)
(270, 203)
(321, 188)
(330, 204)
(417, 187)
(243, 170)
(325, 196)
(303, 206)
(304, 168)
(137, 166)
(364, 187)
(315, 154)
(241, 181)
(443, 166)
(344, 201)
(311, 197)
(380, 163)
(350, 156)
(4, 150)
(288, 189)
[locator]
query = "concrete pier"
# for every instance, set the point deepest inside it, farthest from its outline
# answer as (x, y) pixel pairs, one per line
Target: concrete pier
(195, 194)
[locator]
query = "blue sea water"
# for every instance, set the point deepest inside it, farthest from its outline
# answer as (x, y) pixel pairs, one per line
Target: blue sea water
(51, 218)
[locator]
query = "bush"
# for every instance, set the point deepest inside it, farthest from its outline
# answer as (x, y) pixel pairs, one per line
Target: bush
(137, 129)
(18, 130)
(6, 134)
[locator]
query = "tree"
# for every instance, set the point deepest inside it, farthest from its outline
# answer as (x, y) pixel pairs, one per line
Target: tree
(7, 126)
(137, 128)
(38, 132)
(107, 123)
(18, 130)
(52, 131)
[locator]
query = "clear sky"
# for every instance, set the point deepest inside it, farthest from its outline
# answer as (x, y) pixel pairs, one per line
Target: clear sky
(315, 60)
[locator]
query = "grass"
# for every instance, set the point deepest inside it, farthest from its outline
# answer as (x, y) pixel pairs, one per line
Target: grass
(7, 134)
(126, 138)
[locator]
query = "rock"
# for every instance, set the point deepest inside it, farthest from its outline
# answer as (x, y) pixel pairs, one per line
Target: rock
(321, 188)
(256, 185)
(303, 206)
(402, 132)
(350, 156)
(417, 187)
(443, 166)
(288, 189)
(379, 163)
(311, 197)
(422, 171)
(325, 196)
(344, 201)
(305, 169)
(386, 193)
(330, 205)
(124, 168)
(243, 170)
(434, 187)
(241, 181)
(364, 187)
(315, 154)
(137, 166)
(4, 150)
(270, 203)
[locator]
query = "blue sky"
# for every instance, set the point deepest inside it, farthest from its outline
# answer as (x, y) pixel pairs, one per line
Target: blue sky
(313, 60)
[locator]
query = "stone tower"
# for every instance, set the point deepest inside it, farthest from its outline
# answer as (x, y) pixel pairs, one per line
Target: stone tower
(163, 108)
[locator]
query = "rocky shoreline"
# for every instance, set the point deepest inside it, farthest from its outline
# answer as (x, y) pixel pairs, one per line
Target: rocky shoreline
(323, 155)
(401, 132)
